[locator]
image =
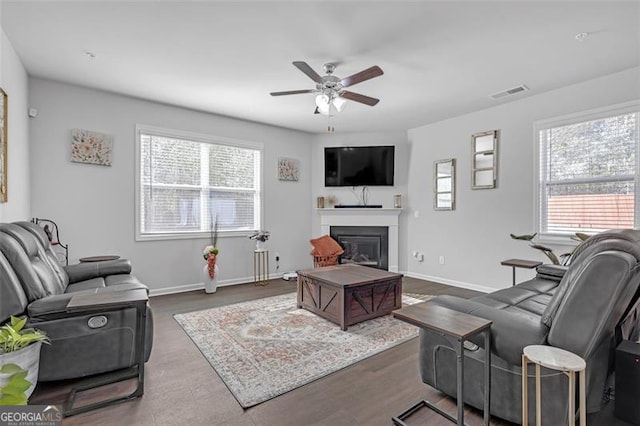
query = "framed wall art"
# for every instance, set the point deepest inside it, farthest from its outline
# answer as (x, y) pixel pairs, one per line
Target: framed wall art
(288, 169)
(91, 147)
(4, 99)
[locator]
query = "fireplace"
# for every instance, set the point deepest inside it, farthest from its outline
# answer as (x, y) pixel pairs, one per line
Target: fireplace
(363, 245)
(357, 217)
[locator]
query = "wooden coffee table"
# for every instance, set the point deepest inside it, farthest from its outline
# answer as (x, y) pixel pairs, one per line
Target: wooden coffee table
(348, 294)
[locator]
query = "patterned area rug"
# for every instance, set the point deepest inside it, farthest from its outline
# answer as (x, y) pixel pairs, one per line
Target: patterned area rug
(266, 347)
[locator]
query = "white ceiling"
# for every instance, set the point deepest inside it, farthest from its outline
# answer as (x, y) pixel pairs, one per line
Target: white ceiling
(440, 59)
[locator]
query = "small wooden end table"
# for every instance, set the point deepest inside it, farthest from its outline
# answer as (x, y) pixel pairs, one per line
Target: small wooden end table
(520, 263)
(460, 326)
(559, 360)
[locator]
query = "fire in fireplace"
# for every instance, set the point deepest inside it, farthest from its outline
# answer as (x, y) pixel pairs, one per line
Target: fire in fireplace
(364, 245)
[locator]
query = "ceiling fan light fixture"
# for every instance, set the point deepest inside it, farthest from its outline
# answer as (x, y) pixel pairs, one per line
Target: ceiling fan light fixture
(322, 102)
(339, 103)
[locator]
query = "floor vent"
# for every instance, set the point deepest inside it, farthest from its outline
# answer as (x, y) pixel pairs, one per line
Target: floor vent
(509, 92)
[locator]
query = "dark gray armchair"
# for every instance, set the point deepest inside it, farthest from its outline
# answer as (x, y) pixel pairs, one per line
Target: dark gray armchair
(34, 283)
(586, 308)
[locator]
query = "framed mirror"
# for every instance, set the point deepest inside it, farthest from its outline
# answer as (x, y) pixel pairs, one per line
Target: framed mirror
(444, 184)
(484, 158)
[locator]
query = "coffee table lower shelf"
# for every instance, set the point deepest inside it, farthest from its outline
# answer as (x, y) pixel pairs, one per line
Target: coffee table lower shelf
(461, 327)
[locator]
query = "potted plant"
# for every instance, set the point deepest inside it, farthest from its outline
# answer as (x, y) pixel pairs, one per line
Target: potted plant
(563, 259)
(19, 353)
(261, 237)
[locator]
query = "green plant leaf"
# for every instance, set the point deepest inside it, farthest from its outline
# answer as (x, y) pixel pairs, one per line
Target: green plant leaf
(10, 368)
(582, 237)
(16, 387)
(18, 324)
(13, 400)
(524, 237)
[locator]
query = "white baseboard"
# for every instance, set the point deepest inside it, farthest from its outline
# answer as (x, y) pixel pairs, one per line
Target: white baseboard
(453, 283)
(200, 286)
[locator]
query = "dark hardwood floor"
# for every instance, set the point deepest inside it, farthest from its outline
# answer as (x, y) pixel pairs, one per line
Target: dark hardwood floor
(182, 388)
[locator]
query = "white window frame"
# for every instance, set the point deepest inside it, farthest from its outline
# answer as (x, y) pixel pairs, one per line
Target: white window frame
(589, 115)
(202, 138)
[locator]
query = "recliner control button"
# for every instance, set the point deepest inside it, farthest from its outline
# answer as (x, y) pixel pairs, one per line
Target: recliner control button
(97, 322)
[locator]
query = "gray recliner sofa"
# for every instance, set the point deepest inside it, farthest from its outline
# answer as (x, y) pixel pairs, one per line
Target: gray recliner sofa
(34, 283)
(586, 308)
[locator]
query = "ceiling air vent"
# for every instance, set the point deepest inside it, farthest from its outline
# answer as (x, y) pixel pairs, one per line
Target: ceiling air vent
(509, 92)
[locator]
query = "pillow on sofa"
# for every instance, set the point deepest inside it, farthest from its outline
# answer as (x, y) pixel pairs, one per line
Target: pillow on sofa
(325, 246)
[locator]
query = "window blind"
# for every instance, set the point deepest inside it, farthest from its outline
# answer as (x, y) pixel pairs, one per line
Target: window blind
(187, 184)
(588, 173)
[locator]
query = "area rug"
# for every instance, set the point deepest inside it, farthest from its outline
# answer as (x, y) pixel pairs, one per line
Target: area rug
(266, 347)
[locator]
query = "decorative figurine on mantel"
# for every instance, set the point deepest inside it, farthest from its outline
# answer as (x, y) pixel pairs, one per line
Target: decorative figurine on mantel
(261, 237)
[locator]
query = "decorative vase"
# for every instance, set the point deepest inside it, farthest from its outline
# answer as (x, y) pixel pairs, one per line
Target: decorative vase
(260, 245)
(210, 284)
(28, 359)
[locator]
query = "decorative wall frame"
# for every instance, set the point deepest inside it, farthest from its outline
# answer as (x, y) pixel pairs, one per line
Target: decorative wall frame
(91, 147)
(288, 169)
(484, 160)
(444, 184)
(4, 104)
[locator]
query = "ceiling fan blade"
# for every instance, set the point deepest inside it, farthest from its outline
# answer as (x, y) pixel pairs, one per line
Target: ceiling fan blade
(357, 97)
(305, 68)
(369, 73)
(292, 92)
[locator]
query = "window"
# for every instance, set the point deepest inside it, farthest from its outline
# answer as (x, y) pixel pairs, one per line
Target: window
(589, 171)
(186, 181)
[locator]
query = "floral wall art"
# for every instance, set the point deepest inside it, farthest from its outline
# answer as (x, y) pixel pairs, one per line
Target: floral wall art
(91, 147)
(288, 169)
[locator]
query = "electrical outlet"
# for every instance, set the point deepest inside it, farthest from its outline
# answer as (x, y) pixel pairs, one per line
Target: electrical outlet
(277, 257)
(441, 260)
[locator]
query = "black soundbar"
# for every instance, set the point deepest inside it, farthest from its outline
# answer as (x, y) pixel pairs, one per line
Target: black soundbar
(358, 206)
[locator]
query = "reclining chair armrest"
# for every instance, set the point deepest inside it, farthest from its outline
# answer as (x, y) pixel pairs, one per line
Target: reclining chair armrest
(510, 332)
(89, 270)
(55, 306)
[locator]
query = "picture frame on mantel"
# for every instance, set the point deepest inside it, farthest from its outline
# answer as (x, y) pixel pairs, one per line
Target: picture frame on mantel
(4, 103)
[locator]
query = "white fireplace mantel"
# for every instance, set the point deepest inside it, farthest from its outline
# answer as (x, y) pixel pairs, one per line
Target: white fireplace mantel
(365, 217)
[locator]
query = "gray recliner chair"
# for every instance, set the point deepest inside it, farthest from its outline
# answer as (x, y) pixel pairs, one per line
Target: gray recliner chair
(587, 308)
(34, 283)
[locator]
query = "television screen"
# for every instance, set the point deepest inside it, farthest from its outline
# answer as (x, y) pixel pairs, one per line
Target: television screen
(359, 166)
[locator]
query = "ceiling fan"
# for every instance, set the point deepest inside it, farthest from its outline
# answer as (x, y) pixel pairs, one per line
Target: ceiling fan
(330, 88)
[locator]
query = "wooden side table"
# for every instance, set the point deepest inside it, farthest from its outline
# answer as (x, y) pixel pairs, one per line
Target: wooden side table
(520, 263)
(261, 267)
(560, 360)
(460, 326)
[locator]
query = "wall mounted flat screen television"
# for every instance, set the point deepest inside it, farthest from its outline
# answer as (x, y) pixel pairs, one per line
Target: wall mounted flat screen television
(359, 166)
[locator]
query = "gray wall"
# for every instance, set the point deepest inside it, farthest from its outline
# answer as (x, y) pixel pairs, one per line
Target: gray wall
(14, 81)
(94, 205)
(475, 237)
